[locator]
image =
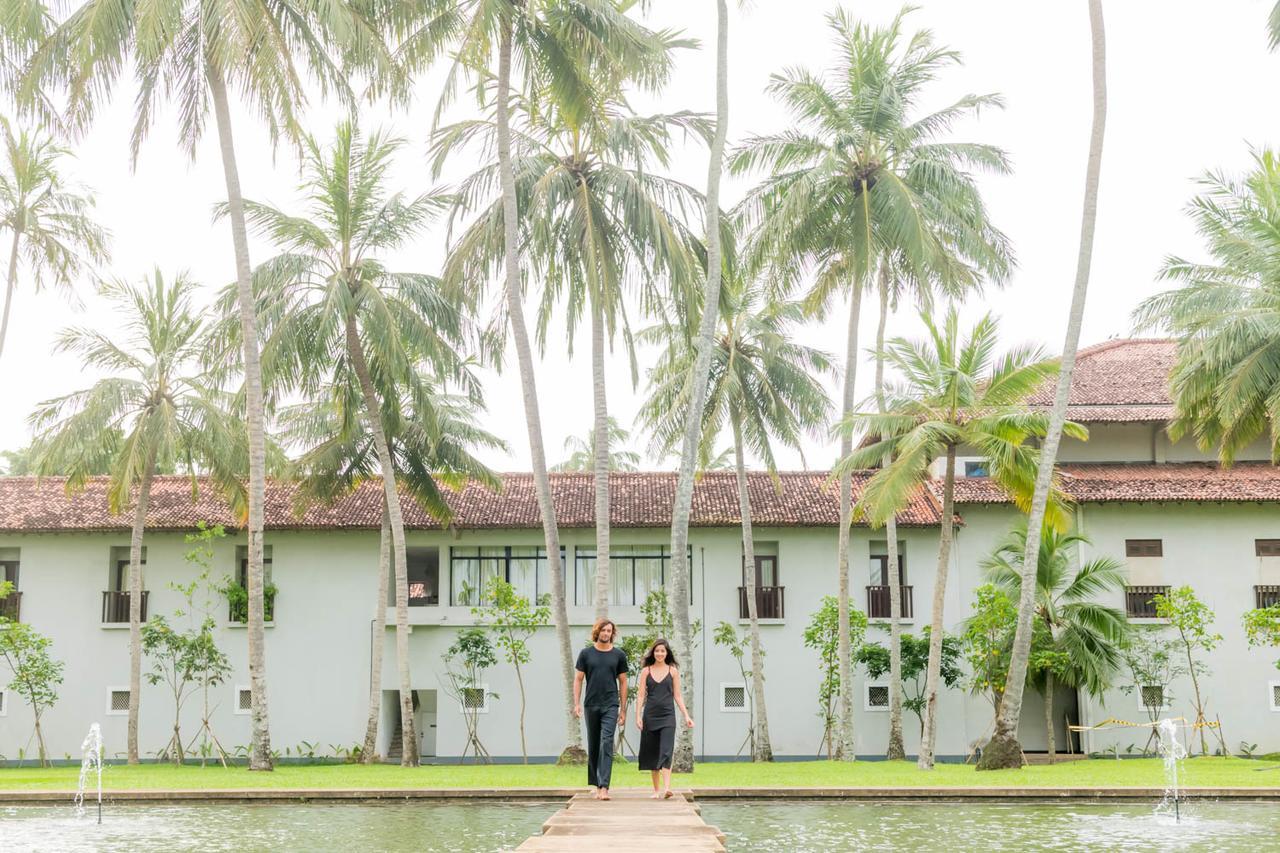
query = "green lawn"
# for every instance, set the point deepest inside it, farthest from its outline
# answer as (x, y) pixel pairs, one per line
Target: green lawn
(1205, 772)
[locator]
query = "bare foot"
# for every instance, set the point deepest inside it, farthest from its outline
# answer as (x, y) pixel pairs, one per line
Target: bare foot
(655, 795)
(595, 793)
(604, 794)
(666, 795)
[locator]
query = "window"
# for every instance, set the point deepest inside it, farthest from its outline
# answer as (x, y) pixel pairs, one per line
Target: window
(975, 468)
(4, 703)
(423, 577)
(733, 698)
(117, 701)
(244, 700)
(242, 565)
(1143, 548)
(1151, 696)
(475, 699)
(9, 565)
(1267, 547)
(880, 563)
(634, 572)
(1273, 693)
(119, 577)
(877, 697)
(524, 567)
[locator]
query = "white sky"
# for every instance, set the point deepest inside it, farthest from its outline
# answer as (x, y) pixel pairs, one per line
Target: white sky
(1188, 91)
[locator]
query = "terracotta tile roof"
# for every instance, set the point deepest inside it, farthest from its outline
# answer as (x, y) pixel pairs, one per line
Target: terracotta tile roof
(1119, 381)
(638, 500)
(1182, 482)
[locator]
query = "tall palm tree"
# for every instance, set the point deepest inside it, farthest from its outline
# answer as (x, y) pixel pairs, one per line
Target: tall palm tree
(1003, 750)
(681, 578)
(765, 387)
(430, 437)
(596, 219)
(1088, 635)
(573, 50)
(1226, 314)
(859, 177)
(194, 53)
(328, 305)
(582, 450)
(49, 220)
(154, 411)
(956, 393)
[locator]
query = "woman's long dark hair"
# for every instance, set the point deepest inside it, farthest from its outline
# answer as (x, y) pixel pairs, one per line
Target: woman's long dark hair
(649, 659)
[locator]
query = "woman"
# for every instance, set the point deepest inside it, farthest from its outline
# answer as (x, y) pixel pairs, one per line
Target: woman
(656, 714)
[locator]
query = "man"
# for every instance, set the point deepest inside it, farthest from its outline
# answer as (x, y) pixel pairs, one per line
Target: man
(603, 670)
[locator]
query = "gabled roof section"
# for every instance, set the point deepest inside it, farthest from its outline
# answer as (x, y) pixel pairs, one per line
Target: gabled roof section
(1182, 482)
(1119, 381)
(639, 500)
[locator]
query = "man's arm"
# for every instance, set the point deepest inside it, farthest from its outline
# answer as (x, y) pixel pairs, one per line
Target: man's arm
(578, 678)
(622, 699)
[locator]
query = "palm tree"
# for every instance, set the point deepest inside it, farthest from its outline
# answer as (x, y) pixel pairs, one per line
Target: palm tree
(956, 393)
(1003, 750)
(681, 584)
(582, 451)
(765, 387)
(858, 179)
(153, 412)
(1226, 314)
(596, 219)
(328, 304)
(430, 438)
(568, 49)
(1086, 635)
(48, 219)
(195, 53)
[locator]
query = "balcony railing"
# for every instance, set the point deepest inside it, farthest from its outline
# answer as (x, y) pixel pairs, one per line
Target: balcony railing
(769, 602)
(11, 605)
(878, 602)
(115, 607)
(1266, 595)
(1139, 601)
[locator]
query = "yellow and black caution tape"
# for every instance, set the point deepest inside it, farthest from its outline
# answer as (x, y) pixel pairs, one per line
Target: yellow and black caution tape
(1114, 723)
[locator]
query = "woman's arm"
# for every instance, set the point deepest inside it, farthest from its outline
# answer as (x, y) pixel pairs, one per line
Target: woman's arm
(679, 696)
(640, 694)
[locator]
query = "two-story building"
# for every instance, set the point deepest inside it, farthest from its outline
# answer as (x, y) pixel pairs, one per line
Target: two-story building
(1172, 514)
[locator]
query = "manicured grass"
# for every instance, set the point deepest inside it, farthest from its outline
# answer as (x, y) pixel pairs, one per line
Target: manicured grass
(1198, 772)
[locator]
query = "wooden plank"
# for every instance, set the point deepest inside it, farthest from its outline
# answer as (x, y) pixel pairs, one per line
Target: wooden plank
(630, 822)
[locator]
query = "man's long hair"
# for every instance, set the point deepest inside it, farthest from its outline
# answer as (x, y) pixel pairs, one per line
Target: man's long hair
(599, 626)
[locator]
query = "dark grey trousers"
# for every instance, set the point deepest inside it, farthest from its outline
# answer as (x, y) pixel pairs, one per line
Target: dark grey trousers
(602, 724)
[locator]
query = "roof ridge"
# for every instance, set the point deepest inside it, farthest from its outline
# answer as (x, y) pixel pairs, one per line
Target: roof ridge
(1112, 343)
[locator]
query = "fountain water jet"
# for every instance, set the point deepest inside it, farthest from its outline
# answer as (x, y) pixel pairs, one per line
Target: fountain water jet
(1172, 752)
(90, 760)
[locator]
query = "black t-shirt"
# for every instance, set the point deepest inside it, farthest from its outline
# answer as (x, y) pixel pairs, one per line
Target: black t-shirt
(602, 670)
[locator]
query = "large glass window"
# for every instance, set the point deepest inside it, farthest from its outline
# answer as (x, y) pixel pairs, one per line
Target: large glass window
(634, 572)
(524, 567)
(242, 565)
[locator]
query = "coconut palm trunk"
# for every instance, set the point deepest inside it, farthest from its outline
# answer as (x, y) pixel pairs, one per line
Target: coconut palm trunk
(934, 668)
(1003, 750)
(260, 732)
(410, 752)
(845, 748)
(680, 569)
(600, 448)
(533, 420)
(1048, 717)
(10, 283)
(378, 640)
(135, 606)
(896, 750)
(761, 748)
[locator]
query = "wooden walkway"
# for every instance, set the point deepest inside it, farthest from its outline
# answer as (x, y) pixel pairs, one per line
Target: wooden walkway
(631, 822)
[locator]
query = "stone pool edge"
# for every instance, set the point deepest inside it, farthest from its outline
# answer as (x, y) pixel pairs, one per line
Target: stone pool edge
(369, 795)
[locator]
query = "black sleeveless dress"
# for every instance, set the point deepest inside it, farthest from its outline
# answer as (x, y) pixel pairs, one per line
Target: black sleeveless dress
(658, 738)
